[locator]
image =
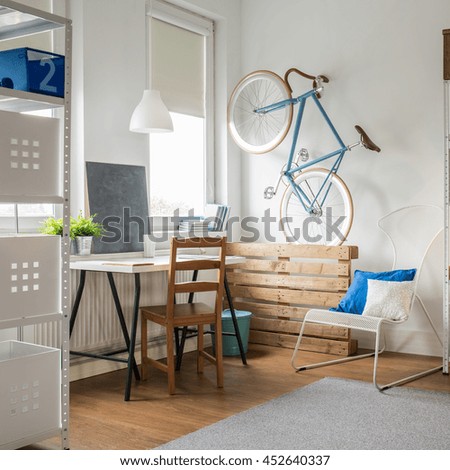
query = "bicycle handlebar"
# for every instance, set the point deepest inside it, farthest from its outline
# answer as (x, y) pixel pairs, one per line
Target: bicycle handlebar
(316, 80)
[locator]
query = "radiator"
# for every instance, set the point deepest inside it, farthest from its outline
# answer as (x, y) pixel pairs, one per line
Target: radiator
(97, 327)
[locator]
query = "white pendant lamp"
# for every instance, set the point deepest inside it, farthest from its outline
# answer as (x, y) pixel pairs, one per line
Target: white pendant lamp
(151, 114)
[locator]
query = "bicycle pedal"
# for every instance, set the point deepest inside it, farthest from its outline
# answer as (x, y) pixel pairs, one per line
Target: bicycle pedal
(269, 192)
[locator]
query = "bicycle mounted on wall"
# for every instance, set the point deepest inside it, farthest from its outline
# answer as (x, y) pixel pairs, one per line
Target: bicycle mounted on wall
(260, 114)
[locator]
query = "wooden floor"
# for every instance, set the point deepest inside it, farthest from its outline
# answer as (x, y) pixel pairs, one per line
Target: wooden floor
(100, 419)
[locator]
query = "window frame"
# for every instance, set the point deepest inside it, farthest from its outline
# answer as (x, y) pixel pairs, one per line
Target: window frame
(205, 26)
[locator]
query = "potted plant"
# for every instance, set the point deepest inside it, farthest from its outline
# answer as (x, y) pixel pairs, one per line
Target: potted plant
(52, 226)
(83, 230)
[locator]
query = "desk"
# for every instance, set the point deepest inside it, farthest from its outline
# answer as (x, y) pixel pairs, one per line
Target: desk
(134, 266)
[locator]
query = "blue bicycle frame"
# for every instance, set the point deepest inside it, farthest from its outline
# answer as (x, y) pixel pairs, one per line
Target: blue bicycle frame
(308, 205)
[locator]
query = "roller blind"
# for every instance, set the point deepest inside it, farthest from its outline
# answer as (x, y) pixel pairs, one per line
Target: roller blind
(178, 67)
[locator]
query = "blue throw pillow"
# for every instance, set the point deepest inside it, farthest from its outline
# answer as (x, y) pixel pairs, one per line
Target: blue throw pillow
(355, 298)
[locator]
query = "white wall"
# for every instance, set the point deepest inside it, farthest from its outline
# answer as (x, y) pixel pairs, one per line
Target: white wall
(110, 71)
(109, 77)
(45, 5)
(384, 61)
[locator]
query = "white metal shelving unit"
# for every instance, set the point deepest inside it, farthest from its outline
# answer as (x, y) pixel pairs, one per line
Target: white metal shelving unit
(17, 20)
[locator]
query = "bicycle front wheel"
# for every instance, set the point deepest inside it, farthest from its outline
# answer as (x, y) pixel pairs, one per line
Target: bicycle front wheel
(328, 220)
(259, 132)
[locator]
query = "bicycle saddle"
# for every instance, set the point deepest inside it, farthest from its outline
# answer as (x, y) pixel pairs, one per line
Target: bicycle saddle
(365, 140)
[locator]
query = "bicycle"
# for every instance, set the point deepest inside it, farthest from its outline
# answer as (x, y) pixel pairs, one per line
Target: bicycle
(260, 113)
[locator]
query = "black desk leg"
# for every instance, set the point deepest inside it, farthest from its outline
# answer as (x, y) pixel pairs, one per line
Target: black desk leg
(123, 325)
(76, 305)
(181, 344)
(235, 323)
(176, 332)
(131, 360)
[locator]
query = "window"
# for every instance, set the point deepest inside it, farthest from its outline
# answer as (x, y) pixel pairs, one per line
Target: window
(181, 65)
(177, 168)
(27, 210)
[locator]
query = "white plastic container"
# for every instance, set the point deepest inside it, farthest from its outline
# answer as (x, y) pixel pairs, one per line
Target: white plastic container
(30, 392)
(30, 276)
(29, 163)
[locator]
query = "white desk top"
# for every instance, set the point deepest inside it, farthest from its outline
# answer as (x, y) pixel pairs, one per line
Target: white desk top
(133, 265)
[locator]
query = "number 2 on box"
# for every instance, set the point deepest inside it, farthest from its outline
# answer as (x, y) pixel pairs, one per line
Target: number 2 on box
(44, 86)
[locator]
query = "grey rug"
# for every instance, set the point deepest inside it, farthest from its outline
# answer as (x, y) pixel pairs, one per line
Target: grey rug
(333, 414)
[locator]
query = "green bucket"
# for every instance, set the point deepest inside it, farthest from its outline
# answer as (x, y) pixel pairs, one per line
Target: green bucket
(229, 343)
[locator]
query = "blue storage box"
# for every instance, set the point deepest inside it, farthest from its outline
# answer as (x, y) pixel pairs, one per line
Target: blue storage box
(32, 70)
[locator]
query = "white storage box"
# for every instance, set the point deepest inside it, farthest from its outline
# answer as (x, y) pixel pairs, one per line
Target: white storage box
(30, 276)
(29, 158)
(30, 391)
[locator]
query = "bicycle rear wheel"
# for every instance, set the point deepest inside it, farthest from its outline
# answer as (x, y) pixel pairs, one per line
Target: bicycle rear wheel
(259, 132)
(332, 215)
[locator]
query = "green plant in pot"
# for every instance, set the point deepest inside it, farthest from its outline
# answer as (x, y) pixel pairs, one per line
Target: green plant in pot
(52, 226)
(83, 230)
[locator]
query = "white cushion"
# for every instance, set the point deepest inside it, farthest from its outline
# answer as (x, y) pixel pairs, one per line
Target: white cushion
(388, 299)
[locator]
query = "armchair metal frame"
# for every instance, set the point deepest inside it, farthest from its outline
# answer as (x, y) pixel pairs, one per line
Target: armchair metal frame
(373, 325)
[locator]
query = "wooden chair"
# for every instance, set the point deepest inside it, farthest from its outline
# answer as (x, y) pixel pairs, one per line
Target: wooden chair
(173, 315)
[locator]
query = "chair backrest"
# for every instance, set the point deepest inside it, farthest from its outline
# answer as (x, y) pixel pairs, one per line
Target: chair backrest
(411, 231)
(196, 262)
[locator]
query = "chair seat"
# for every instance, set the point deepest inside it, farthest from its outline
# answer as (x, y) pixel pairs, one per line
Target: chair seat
(183, 314)
(348, 320)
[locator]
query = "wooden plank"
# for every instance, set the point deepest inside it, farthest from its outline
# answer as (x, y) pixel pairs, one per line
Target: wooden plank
(326, 346)
(279, 283)
(272, 310)
(294, 267)
(354, 252)
(197, 286)
(298, 297)
(293, 327)
(193, 265)
(292, 250)
(327, 331)
(283, 259)
(294, 282)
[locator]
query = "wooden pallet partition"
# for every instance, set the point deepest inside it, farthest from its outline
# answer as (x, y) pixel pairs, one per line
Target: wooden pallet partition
(280, 282)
